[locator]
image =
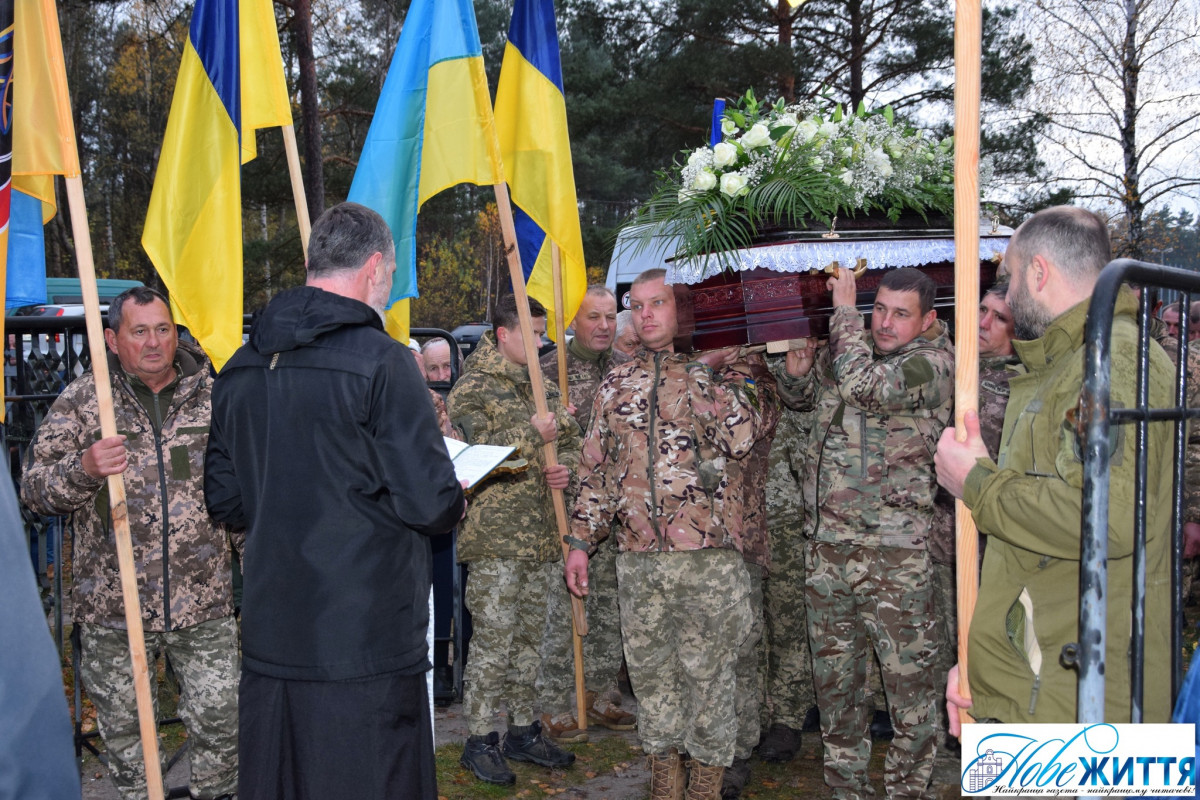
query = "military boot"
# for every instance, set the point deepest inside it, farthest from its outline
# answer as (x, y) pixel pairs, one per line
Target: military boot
(526, 743)
(482, 756)
(780, 744)
(704, 782)
(607, 713)
(667, 777)
(735, 779)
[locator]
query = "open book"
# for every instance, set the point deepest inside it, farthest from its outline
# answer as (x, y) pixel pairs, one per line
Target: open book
(473, 462)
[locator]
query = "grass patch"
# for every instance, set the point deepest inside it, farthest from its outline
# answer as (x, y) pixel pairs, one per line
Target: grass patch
(605, 754)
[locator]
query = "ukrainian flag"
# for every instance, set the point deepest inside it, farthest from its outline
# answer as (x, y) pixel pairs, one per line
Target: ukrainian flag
(531, 117)
(43, 146)
(433, 128)
(230, 81)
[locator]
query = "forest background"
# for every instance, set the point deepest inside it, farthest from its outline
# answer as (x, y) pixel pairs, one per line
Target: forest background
(1091, 101)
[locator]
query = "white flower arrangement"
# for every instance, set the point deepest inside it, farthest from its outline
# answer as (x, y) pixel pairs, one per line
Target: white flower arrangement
(793, 166)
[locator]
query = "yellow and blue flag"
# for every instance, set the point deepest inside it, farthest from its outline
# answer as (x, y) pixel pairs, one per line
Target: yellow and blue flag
(432, 129)
(230, 82)
(531, 118)
(43, 146)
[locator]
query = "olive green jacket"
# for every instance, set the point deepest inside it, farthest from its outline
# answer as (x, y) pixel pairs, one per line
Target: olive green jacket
(1029, 503)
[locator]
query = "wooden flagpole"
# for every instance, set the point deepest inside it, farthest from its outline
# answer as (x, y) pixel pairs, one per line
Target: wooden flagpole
(116, 490)
(293, 160)
(560, 326)
(968, 32)
(508, 228)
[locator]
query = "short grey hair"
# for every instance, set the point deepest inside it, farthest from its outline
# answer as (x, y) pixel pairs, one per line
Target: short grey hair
(141, 296)
(1073, 239)
(344, 238)
(624, 320)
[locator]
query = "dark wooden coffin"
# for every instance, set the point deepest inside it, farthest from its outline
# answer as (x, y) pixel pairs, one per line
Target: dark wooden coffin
(761, 305)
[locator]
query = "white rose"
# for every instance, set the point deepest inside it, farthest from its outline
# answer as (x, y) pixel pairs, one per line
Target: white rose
(880, 162)
(847, 177)
(698, 157)
(806, 130)
(728, 127)
(757, 136)
(828, 129)
(733, 183)
(847, 152)
(785, 121)
(724, 154)
(704, 181)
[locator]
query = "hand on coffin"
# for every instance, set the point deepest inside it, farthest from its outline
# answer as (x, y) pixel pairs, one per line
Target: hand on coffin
(844, 288)
(800, 360)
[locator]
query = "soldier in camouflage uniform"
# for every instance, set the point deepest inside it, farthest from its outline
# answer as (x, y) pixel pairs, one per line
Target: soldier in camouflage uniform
(881, 400)
(590, 355)
(997, 364)
(1191, 474)
(749, 477)
(785, 651)
(664, 431)
(162, 398)
(510, 541)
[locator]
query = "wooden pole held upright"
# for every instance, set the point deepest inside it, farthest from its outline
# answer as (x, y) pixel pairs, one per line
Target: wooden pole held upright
(560, 324)
(968, 31)
(298, 196)
(116, 490)
(508, 228)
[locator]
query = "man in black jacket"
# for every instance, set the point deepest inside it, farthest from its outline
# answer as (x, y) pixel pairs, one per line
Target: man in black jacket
(324, 447)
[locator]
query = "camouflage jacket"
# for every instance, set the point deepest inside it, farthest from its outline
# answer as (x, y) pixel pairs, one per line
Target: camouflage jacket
(789, 450)
(585, 370)
(878, 417)
(657, 452)
(749, 475)
(1191, 472)
(994, 374)
(183, 558)
(511, 515)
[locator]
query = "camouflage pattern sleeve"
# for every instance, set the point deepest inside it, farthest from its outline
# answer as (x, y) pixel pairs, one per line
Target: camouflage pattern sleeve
(54, 482)
(1191, 474)
(798, 394)
(726, 409)
(592, 515)
(923, 379)
(473, 410)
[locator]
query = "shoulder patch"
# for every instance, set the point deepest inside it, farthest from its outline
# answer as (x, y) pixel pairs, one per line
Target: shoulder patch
(917, 371)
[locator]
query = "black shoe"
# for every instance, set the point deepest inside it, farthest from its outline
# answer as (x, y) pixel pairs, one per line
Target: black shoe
(443, 686)
(482, 756)
(812, 721)
(881, 726)
(526, 743)
(780, 744)
(735, 779)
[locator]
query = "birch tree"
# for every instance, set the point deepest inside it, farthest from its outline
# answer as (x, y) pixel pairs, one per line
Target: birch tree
(1117, 80)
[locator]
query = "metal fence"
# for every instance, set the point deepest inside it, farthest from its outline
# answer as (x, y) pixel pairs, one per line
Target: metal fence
(1100, 416)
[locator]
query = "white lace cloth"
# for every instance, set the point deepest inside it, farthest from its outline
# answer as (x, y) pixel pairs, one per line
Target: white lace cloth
(816, 254)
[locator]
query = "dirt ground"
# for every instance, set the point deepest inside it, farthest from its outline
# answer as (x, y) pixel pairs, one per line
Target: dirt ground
(623, 779)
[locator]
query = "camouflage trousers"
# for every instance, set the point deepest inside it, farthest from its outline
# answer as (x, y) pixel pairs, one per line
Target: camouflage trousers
(789, 679)
(750, 672)
(874, 598)
(945, 604)
(684, 616)
(507, 600)
(601, 646)
(205, 660)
